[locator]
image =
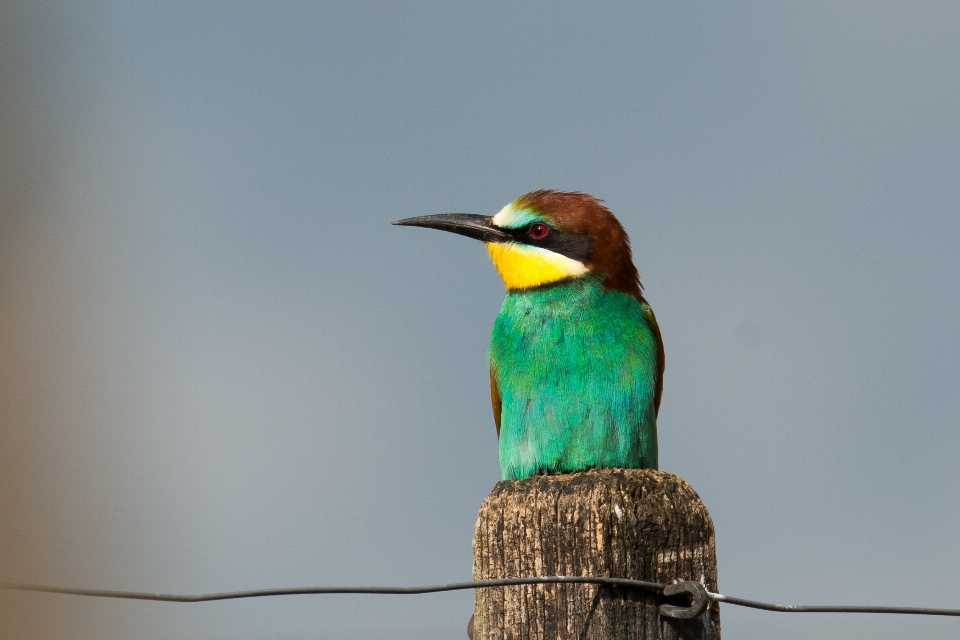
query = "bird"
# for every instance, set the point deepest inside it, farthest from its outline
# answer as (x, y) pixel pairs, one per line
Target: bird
(576, 356)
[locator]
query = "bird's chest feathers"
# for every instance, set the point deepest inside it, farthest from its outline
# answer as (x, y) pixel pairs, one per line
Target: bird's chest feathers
(575, 368)
(568, 335)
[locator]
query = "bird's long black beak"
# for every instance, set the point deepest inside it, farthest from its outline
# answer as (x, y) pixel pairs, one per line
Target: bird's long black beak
(466, 224)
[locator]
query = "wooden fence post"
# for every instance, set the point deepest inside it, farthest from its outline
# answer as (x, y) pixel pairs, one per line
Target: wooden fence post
(624, 523)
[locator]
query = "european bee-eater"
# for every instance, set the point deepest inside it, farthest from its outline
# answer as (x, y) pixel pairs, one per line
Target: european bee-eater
(576, 358)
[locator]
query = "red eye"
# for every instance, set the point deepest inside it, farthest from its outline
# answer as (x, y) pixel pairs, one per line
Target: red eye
(538, 231)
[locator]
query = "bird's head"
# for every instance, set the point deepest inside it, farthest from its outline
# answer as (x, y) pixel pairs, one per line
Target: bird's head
(548, 236)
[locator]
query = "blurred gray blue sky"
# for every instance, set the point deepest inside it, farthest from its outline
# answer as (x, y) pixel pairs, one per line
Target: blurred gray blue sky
(221, 368)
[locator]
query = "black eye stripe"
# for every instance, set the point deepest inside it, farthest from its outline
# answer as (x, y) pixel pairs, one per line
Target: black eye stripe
(575, 246)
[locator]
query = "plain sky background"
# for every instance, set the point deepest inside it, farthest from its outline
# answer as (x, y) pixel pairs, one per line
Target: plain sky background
(221, 368)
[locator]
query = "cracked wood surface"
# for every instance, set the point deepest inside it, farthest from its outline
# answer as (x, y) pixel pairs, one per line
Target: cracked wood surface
(626, 523)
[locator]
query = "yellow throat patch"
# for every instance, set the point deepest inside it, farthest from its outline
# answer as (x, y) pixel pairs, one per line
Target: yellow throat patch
(522, 266)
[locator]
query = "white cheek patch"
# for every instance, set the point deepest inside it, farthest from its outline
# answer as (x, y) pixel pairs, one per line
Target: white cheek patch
(560, 262)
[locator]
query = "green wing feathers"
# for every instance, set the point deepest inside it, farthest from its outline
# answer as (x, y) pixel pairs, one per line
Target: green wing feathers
(661, 359)
(495, 399)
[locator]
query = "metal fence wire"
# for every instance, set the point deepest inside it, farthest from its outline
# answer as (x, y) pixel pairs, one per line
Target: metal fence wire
(699, 597)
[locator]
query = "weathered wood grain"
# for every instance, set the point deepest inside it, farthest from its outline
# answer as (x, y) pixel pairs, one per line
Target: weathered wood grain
(626, 523)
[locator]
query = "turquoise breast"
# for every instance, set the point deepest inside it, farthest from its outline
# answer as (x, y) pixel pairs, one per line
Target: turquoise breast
(576, 369)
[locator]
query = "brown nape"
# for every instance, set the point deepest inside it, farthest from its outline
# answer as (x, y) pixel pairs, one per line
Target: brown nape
(576, 212)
